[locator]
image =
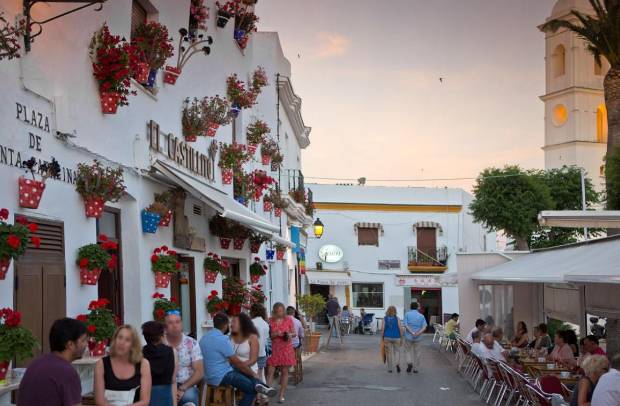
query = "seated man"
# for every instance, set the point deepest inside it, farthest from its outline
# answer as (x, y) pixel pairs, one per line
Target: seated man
(451, 326)
(491, 350)
(591, 346)
(480, 325)
(223, 367)
(477, 346)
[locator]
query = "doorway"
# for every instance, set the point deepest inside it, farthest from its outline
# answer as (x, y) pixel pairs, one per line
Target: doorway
(322, 290)
(426, 244)
(429, 300)
(110, 285)
(183, 288)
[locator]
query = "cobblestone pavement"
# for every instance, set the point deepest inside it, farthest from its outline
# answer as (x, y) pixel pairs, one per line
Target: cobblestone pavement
(354, 376)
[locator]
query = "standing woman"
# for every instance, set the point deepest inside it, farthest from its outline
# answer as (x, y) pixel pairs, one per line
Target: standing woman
(392, 338)
(259, 318)
(244, 339)
(283, 355)
(521, 340)
(163, 362)
(123, 377)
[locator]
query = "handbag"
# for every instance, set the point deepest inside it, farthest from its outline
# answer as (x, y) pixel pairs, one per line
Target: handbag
(120, 397)
(382, 352)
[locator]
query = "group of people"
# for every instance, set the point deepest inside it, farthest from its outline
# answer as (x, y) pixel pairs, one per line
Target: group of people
(244, 352)
(397, 334)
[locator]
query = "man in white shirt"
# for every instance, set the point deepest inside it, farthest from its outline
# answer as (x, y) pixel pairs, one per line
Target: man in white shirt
(607, 392)
(259, 314)
(476, 346)
(490, 350)
(480, 324)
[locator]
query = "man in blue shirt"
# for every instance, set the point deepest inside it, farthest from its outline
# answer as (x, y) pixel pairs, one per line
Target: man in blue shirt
(415, 325)
(223, 367)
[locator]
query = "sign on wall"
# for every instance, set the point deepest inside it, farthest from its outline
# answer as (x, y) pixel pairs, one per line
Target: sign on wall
(426, 281)
(331, 254)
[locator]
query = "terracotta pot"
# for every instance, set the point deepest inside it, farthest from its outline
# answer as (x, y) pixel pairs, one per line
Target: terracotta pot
(210, 276)
(252, 148)
(94, 207)
(280, 255)
(4, 370)
(255, 278)
(4, 267)
(224, 243)
(255, 247)
(30, 192)
(267, 206)
(96, 348)
(109, 102)
(227, 176)
(277, 211)
(162, 279)
(313, 342)
(165, 220)
(89, 277)
(212, 129)
(266, 159)
(171, 75)
(238, 243)
(142, 74)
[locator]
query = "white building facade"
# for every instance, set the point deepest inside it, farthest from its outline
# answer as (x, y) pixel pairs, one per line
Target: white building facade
(49, 107)
(390, 246)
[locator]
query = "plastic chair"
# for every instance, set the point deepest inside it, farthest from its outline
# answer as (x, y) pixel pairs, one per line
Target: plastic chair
(551, 384)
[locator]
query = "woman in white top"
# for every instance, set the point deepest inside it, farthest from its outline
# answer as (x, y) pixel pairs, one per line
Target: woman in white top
(244, 338)
(259, 318)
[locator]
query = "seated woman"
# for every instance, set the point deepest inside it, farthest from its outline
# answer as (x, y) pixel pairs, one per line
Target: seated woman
(163, 362)
(543, 340)
(594, 366)
(521, 339)
(562, 352)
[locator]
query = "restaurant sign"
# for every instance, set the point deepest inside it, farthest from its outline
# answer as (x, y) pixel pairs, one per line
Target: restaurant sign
(424, 281)
(330, 254)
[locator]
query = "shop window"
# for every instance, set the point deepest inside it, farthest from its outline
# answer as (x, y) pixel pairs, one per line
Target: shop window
(368, 295)
(387, 264)
(368, 236)
(138, 15)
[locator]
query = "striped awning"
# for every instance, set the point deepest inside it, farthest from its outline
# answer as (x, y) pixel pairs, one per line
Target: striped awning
(369, 225)
(428, 224)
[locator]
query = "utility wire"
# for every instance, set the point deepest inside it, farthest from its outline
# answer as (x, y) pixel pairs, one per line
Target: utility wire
(417, 180)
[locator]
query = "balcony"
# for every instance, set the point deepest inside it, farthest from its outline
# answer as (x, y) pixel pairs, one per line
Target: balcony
(299, 199)
(427, 260)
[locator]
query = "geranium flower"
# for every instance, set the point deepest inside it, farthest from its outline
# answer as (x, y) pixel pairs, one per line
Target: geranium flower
(160, 313)
(91, 328)
(103, 237)
(154, 258)
(177, 265)
(32, 227)
(173, 299)
(4, 214)
(21, 220)
(13, 241)
(82, 317)
(83, 262)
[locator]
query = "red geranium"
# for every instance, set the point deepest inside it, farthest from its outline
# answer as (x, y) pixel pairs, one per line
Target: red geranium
(83, 262)
(13, 241)
(4, 214)
(33, 227)
(82, 318)
(91, 328)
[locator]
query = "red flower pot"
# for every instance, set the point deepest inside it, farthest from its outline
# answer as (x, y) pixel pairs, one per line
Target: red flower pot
(277, 211)
(89, 277)
(210, 276)
(280, 255)
(162, 279)
(238, 243)
(191, 137)
(227, 176)
(212, 129)
(165, 219)
(267, 206)
(266, 159)
(243, 42)
(109, 102)
(171, 75)
(224, 243)
(4, 267)
(252, 148)
(142, 74)
(96, 348)
(255, 278)
(4, 369)
(94, 207)
(255, 247)
(30, 192)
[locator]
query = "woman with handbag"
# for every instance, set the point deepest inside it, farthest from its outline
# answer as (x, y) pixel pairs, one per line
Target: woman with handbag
(392, 338)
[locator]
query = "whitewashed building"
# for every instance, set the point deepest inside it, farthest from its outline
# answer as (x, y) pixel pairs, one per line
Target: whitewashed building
(49, 107)
(386, 246)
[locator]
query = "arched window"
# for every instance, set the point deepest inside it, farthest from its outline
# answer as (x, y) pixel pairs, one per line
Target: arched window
(559, 61)
(601, 124)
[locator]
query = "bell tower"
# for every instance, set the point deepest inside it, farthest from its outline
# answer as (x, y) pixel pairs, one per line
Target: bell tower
(575, 115)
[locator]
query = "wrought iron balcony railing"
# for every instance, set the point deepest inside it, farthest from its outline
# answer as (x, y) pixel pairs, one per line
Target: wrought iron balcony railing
(424, 256)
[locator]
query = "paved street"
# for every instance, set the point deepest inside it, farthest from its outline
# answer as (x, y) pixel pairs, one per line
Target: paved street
(355, 376)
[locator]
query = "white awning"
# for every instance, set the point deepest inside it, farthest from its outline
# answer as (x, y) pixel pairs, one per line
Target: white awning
(220, 201)
(428, 224)
(578, 219)
(331, 278)
(368, 225)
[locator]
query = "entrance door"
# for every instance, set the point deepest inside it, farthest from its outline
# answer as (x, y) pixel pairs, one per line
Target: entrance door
(426, 244)
(322, 290)
(184, 290)
(40, 288)
(110, 285)
(430, 304)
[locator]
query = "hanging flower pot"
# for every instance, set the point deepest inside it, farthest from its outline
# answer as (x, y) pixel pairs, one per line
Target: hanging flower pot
(235, 108)
(162, 279)
(254, 278)
(212, 129)
(238, 243)
(150, 221)
(252, 148)
(89, 277)
(109, 102)
(30, 192)
(224, 243)
(152, 77)
(142, 72)
(243, 42)
(267, 206)
(222, 19)
(227, 176)
(239, 34)
(96, 348)
(255, 247)
(210, 276)
(191, 137)
(94, 207)
(277, 211)
(4, 267)
(280, 255)
(240, 199)
(165, 220)
(171, 75)
(269, 254)
(266, 159)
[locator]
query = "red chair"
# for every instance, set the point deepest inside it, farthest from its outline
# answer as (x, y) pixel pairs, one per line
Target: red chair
(537, 396)
(551, 384)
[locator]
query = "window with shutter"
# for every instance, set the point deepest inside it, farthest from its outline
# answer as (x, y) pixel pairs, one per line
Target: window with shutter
(368, 236)
(138, 15)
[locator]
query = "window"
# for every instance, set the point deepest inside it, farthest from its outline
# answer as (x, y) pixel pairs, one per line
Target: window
(601, 124)
(387, 264)
(559, 61)
(138, 15)
(368, 236)
(368, 295)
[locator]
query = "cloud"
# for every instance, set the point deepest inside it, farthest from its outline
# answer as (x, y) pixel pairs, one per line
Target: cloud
(331, 44)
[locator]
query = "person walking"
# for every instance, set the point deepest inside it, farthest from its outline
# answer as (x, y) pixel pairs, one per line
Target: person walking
(392, 338)
(333, 311)
(283, 355)
(50, 379)
(163, 362)
(123, 377)
(244, 338)
(415, 325)
(594, 366)
(259, 318)
(190, 369)
(299, 328)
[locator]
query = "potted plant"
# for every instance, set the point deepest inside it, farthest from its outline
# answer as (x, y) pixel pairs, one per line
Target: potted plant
(255, 134)
(238, 95)
(164, 203)
(245, 25)
(232, 158)
(152, 216)
(114, 61)
(243, 188)
(192, 120)
(163, 264)
(221, 228)
(190, 44)
(267, 203)
(259, 79)
(240, 234)
(312, 306)
(215, 113)
(257, 270)
(261, 182)
(92, 259)
(278, 202)
(100, 326)
(198, 16)
(31, 191)
(267, 150)
(14, 239)
(276, 161)
(153, 42)
(226, 11)
(213, 265)
(15, 341)
(256, 240)
(98, 184)
(280, 251)
(161, 306)
(257, 295)
(215, 304)
(9, 38)
(234, 293)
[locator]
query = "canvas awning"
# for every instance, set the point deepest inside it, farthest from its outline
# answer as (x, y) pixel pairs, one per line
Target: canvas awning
(579, 219)
(331, 278)
(428, 224)
(368, 225)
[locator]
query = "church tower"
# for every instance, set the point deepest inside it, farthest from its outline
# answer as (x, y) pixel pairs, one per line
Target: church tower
(575, 115)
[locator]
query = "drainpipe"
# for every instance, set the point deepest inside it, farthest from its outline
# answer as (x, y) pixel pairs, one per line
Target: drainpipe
(278, 135)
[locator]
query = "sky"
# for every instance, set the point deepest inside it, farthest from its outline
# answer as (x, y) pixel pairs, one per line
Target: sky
(369, 72)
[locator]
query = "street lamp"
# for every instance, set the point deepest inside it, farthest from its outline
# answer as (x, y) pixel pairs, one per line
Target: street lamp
(318, 228)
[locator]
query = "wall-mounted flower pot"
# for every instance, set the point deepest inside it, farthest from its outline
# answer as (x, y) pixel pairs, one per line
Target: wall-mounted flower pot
(109, 102)
(255, 278)
(235, 109)
(150, 221)
(222, 19)
(88, 276)
(238, 243)
(243, 42)
(252, 148)
(94, 207)
(266, 159)
(30, 192)
(227, 176)
(224, 243)
(150, 82)
(239, 34)
(162, 279)
(142, 73)
(212, 129)
(165, 220)
(277, 211)
(255, 247)
(280, 255)
(210, 276)
(96, 348)
(4, 267)
(267, 206)
(191, 137)
(171, 75)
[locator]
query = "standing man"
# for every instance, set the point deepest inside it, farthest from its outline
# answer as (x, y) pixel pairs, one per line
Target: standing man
(415, 325)
(190, 369)
(333, 310)
(50, 379)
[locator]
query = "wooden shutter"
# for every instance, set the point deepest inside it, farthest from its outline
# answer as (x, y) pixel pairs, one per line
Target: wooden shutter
(368, 236)
(54, 297)
(138, 15)
(427, 241)
(29, 298)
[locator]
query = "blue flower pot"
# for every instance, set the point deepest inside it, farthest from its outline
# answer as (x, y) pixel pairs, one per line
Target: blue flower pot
(235, 109)
(150, 221)
(239, 34)
(240, 199)
(152, 77)
(269, 254)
